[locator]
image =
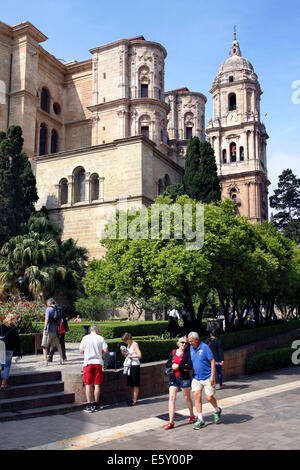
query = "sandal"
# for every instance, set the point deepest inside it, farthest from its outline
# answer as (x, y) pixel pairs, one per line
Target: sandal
(169, 426)
(3, 386)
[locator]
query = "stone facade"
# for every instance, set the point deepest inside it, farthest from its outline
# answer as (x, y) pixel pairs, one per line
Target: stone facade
(102, 129)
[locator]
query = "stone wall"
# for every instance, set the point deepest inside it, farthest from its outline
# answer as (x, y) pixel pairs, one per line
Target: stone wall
(153, 382)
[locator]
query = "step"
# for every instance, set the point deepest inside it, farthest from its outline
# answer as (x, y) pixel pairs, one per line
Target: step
(34, 377)
(40, 388)
(24, 403)
(42, 411)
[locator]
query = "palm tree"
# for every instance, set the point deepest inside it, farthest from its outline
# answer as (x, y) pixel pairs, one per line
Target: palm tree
(41, 260)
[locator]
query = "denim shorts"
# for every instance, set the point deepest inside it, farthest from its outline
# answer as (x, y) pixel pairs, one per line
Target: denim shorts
(180, 383)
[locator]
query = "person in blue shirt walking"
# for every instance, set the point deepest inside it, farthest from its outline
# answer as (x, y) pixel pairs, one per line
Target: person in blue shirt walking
(204, 366)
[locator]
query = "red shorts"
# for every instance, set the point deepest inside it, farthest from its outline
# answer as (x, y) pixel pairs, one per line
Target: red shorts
(92, 374)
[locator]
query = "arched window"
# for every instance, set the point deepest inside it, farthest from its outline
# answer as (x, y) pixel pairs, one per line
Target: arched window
(63, 191)
(45, 100)
(160, 186)
(54, 142)
(167, 181)
(188, 132)
(144, 125)
(94, 181)
(188, 125)
(242, 155)
(144, 80)
(233, 152)
(79, 185)
(232, 102)
(224, 153)
(43, 139)
(234, 196)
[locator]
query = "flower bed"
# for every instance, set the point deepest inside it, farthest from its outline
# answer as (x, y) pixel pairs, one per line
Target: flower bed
(28, 313)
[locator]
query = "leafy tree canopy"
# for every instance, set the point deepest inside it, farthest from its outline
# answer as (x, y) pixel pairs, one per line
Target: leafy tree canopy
(286, 201)
(17, 184)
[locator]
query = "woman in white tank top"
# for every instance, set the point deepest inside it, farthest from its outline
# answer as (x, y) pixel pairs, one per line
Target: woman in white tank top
(132, 366)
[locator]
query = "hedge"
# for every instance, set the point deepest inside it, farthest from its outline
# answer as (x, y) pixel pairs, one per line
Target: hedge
(27, 343)
(271, 359)
(111, 330)
(243, 337)
(155, 348)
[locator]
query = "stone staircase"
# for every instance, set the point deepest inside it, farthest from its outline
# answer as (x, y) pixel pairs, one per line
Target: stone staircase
(35, 394)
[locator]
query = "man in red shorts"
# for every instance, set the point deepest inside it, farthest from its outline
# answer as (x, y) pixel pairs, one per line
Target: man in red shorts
(93, 346)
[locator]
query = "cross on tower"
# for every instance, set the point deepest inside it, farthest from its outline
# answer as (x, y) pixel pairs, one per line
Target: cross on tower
(234, 32)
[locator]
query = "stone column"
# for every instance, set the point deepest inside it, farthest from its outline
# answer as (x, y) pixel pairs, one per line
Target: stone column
(57, 187)
(70, 190)
(254, 144)
(247, 202)
(123, 73)
(101, 189)
(95, 78)
(87, 187)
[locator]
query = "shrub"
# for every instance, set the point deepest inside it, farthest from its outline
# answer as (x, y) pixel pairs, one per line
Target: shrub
(271, 359)
(240, 338)
(28, 312)
(92, 308)
(113, 329)
(27, 343)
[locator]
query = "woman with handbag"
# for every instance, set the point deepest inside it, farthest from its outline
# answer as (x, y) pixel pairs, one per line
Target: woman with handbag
(10, 337)
(179, 365)
(133, 355)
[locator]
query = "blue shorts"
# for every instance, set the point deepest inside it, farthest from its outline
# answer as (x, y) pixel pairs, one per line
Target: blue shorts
(180, 383)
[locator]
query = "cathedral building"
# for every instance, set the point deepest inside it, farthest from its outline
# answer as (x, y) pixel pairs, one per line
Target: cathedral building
(105, 129)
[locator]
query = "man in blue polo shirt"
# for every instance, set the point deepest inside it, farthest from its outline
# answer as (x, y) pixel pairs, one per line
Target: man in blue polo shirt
(204, 366)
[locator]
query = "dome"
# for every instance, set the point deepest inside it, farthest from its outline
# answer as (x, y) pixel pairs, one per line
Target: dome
(235, 63)
(235, 66)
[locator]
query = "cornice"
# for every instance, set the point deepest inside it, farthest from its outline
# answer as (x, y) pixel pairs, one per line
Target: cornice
(27, 28)
(111, 145)
(128, 102)
(248, 81)
(129, 43)
(245, 174)
(186, 93)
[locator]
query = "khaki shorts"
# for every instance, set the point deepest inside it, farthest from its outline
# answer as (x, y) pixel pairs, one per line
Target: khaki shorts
(51, 339)
(209, 389)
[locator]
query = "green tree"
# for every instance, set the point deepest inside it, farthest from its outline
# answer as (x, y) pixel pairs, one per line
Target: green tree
(286, 201)
(209, 184)
(174, 190)
(201, 180)
(17, 184)
(45, 264)
(191, 177)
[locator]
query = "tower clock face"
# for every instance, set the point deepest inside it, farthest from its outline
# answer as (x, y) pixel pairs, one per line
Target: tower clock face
(231, 118)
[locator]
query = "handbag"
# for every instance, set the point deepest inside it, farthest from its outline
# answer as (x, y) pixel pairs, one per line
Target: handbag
(127, 366)
(168, 371)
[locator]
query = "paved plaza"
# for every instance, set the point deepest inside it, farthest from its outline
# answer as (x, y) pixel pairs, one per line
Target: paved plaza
(259, 412)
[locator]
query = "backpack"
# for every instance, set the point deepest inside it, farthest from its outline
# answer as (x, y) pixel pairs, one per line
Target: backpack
(2, 337)
(57, 314)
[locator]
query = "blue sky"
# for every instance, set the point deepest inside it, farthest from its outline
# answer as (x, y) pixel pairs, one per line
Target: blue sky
(197, 35)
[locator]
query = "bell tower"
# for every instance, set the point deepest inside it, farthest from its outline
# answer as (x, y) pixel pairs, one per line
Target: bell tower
(238, 136)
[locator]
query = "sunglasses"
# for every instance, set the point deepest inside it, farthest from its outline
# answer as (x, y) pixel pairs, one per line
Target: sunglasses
(183, 342)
